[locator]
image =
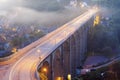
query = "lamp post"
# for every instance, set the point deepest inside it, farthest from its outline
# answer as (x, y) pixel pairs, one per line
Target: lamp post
(38, 51)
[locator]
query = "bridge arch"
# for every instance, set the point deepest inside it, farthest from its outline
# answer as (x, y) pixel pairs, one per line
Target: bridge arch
(44, 70)
(57, 64)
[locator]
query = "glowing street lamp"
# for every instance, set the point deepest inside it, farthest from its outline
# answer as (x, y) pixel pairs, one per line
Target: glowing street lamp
(14, 50)
(69, 76)
(14, 29)
(97, 20)
(59, 78)
(38, 51)
(44, 69)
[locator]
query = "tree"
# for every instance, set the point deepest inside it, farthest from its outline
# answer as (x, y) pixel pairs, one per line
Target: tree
(102, 37)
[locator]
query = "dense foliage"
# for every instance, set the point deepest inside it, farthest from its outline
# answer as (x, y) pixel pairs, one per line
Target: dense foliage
(104, 39)
(110, 72)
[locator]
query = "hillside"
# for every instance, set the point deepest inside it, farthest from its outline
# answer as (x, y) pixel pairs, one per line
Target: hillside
(104, 39)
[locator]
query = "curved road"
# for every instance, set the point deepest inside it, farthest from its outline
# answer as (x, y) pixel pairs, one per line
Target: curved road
(107, 64)
(24, 68)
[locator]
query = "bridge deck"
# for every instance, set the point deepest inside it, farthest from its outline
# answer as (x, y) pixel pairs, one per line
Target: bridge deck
(22, 69)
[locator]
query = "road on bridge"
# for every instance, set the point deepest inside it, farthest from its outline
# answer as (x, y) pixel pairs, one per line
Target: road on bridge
(25, 67)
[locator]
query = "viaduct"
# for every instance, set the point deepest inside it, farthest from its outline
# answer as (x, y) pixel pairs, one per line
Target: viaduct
(56, 55)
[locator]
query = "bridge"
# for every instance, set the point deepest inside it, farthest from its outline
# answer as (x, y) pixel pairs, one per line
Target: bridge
(56, 55)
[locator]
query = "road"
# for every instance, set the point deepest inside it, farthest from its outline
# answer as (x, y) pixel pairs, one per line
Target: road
(112, 61)
(107, 64)
(24, 68)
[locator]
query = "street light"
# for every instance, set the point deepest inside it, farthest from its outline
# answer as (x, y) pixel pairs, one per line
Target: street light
(38, 50)
(14, 50)
(96, 20)
(69, 76)
(44, 69)
(59, 78)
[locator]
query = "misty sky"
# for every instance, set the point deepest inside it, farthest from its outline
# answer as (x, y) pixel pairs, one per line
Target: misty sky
(44, 12)
(26, 10)
(9, 4)
(34, 4)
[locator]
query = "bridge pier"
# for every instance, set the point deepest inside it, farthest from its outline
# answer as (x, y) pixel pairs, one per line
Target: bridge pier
(57, 64)
(55, 55)
(66, 57)
(77, 48)
(73, 55)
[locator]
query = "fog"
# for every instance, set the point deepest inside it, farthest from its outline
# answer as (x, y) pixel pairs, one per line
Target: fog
(45, 13)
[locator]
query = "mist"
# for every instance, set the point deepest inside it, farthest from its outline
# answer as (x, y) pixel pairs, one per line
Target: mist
(43, 13)
(27, 15)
